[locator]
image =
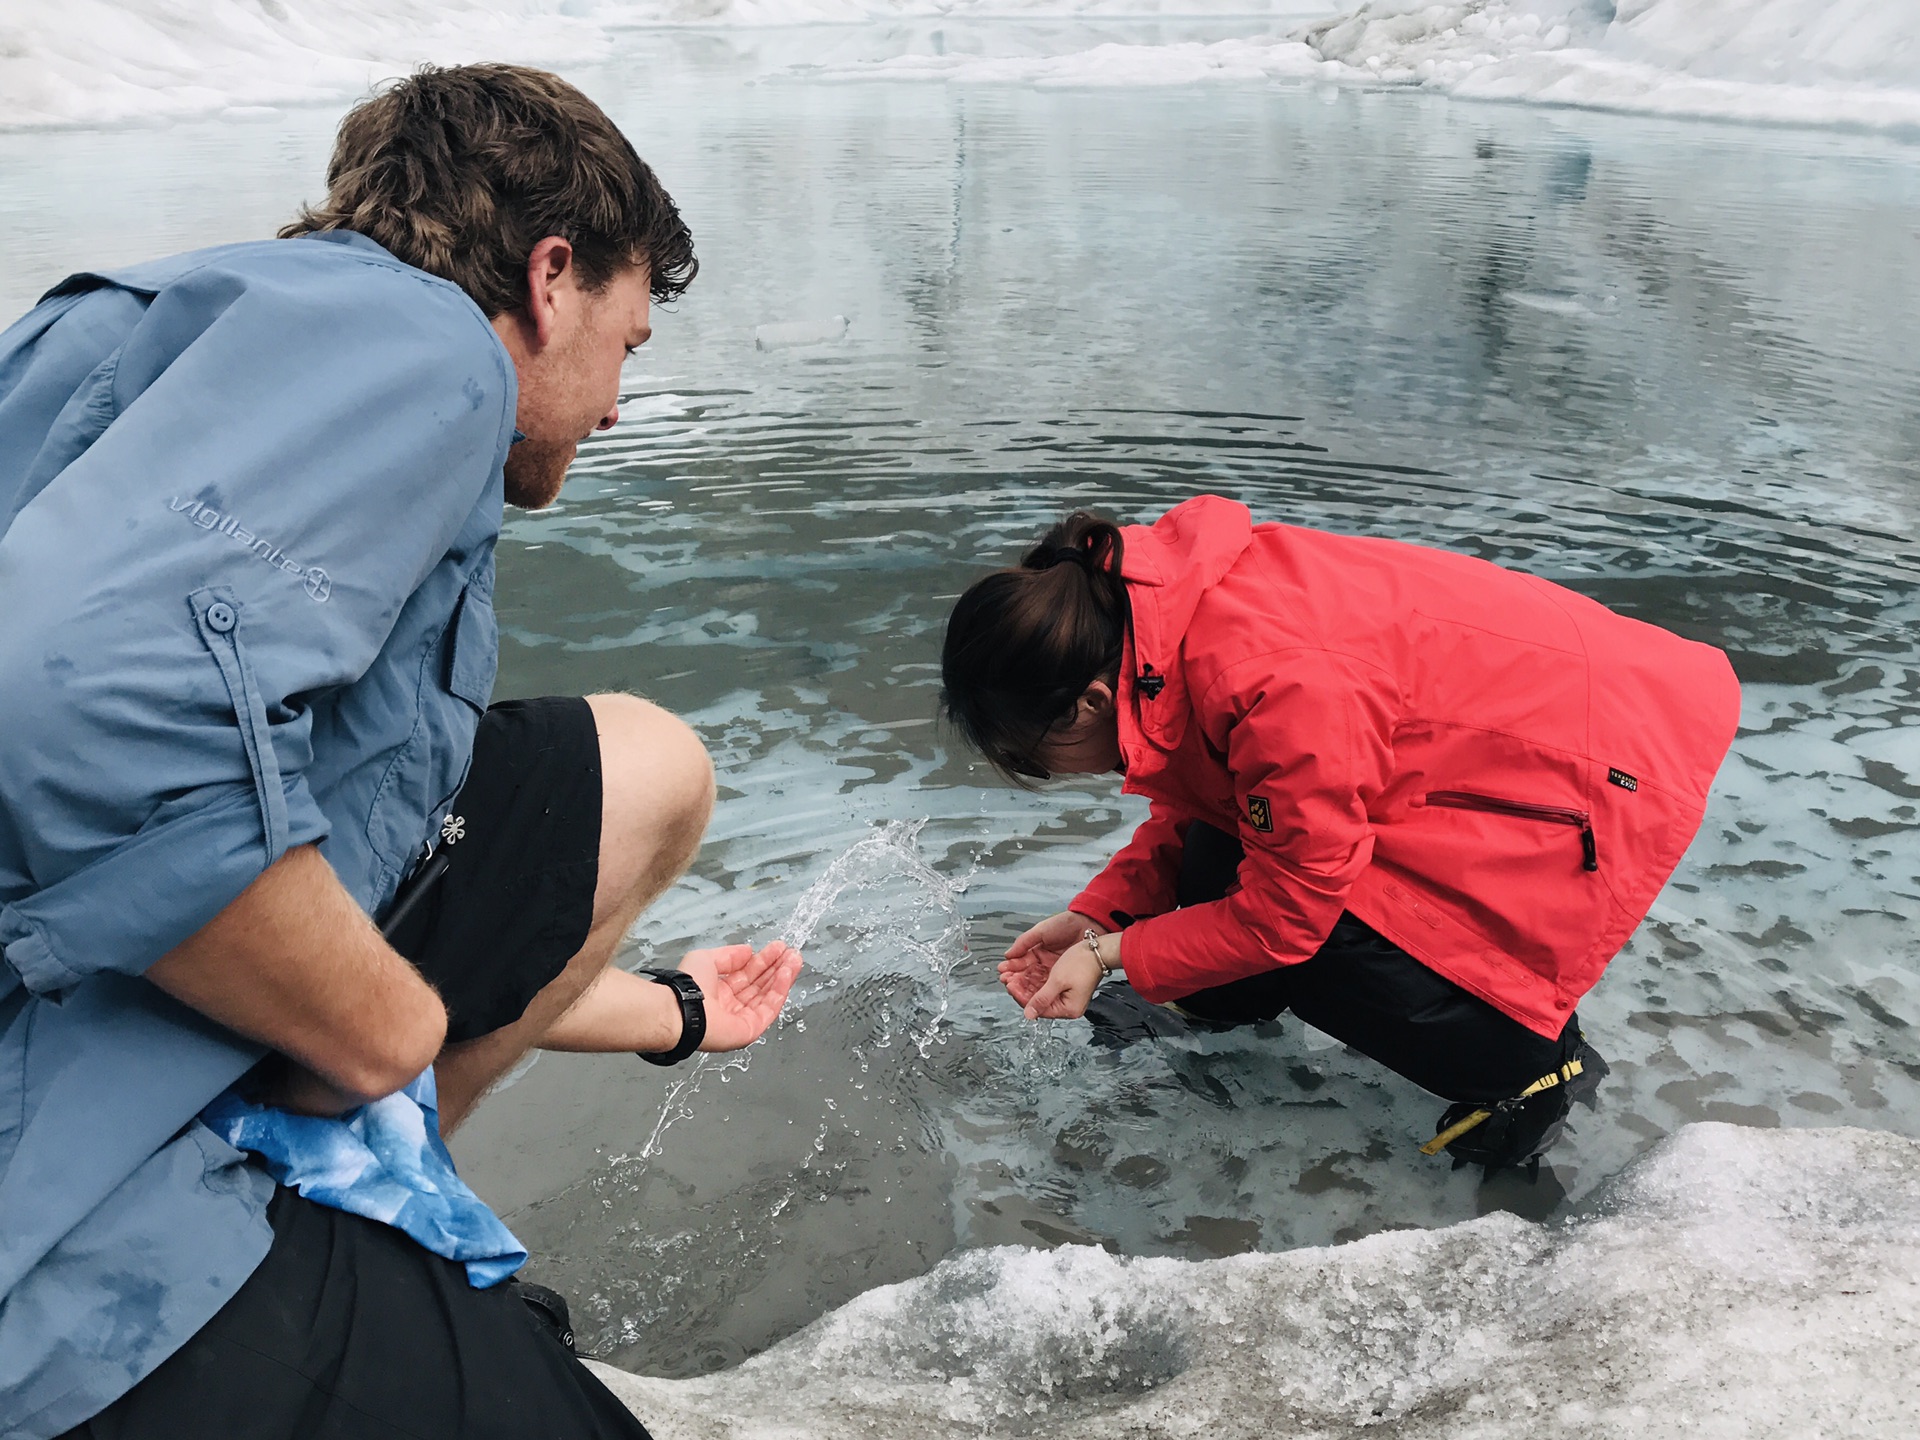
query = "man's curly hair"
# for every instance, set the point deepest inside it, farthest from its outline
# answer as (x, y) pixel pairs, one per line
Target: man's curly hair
(462, 171)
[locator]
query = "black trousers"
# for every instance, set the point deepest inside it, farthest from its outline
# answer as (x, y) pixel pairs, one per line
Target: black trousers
(1368, 993)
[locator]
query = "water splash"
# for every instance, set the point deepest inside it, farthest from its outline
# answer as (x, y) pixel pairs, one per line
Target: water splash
(925, 927)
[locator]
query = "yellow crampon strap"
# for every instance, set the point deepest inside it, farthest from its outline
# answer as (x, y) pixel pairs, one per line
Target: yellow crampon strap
(1460, 1127)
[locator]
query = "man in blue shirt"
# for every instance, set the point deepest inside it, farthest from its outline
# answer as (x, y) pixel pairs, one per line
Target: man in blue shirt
(248, 505)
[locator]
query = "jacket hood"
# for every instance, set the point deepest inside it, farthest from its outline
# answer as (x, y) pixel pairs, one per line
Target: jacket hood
(1168, 567)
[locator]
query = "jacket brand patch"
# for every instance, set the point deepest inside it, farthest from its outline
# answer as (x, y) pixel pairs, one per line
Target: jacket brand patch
(1260, 814)
(1622, 779)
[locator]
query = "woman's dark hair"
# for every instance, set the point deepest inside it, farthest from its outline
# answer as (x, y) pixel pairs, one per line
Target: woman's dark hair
(1024, 643)
(461, 172)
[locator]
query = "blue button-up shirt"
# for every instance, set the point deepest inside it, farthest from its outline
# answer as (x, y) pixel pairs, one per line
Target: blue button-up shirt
(248, 505)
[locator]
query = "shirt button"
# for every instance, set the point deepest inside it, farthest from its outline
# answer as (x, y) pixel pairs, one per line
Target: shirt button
(1560, 1005)
(220, 617)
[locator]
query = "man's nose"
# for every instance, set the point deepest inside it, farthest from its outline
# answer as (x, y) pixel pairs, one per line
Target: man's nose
(609, 420)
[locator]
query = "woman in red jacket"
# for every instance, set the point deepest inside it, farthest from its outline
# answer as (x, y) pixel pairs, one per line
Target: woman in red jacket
(1417, 799)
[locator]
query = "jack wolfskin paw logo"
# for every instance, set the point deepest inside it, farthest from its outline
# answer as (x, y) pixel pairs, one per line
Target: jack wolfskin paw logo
(1260, 814)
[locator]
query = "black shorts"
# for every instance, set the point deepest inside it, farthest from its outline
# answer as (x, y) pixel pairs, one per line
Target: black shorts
(522, 855)
(350, 1329)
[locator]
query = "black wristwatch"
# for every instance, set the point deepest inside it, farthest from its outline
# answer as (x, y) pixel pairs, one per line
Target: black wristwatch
(693, 1016)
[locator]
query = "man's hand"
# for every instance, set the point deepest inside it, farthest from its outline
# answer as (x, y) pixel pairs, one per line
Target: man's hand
(744, 990)
(1050, 971)
(283, 1084)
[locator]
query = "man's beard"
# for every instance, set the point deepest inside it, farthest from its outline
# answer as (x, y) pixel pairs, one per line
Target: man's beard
(536, 469)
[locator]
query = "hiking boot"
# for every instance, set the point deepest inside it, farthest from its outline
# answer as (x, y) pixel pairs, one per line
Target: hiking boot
(1518, 1132)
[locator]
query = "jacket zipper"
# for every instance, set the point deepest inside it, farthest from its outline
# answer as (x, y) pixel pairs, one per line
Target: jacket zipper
(1552, 814)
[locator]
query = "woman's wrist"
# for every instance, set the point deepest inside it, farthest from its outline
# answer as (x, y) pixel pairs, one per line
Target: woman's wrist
(1105, 949)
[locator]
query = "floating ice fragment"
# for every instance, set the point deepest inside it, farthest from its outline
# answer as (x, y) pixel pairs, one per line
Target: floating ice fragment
(1551, 304)
(785, 335)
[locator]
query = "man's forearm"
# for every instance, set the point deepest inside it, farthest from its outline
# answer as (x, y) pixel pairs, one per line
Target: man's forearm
(618, 1012)
(294, 963)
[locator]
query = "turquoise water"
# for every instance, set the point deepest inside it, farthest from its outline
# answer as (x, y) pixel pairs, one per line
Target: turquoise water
(1668, 365)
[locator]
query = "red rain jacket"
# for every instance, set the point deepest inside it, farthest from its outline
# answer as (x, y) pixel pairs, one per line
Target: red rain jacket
(1495, 773)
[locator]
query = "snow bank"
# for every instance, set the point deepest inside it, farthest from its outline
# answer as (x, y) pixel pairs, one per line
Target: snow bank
(1828, 62)
(104, 61)
(66, 62)
(1851, 62)
(1854, 62)
(1741, 1283)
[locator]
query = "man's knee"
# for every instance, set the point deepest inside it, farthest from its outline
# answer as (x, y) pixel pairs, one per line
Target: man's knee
(657, 792)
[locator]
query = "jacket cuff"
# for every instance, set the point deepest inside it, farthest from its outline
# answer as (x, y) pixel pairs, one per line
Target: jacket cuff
(1110, 907)
(126, 909)
(1143, 964)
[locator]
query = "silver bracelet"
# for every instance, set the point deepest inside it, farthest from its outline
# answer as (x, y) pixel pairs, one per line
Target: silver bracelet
(1093, 938)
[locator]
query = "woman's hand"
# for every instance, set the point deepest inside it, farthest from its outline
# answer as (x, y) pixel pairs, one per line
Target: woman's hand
(1050, 971)
(743, 989)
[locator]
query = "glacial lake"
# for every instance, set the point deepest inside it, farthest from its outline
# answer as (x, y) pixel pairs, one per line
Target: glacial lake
(1670, 365)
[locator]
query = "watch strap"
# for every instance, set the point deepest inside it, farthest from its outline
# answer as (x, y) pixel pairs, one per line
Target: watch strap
(693, 1016)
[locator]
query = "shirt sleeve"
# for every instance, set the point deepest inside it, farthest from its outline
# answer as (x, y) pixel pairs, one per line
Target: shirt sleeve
(284, 454)
(1142, 878)
(1308, 741)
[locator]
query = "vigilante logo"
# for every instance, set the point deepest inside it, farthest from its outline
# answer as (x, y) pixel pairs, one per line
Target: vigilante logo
(315, 581)
(1260, 814)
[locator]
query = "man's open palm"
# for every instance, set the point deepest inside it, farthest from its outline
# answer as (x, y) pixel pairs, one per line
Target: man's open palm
(744, 990)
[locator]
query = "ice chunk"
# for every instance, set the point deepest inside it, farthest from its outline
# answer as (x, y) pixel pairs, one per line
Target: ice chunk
(784, 335)
(1735, 1283)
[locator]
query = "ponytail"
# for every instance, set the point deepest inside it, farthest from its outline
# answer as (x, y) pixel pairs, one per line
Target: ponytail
(1024, 643)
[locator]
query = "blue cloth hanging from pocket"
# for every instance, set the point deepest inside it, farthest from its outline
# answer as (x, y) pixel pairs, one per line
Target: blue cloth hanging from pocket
(385, 1161)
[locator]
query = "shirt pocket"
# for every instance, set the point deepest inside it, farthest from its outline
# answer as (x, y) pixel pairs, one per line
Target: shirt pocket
(455, 679)
(473, 649)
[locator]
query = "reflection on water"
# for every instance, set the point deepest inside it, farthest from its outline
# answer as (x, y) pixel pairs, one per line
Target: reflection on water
(1667, 366)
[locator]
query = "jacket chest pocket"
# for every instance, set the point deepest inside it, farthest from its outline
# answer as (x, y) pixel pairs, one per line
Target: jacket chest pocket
(454, 682)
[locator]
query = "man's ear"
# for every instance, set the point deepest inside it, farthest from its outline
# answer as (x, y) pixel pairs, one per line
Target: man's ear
(552, 279)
